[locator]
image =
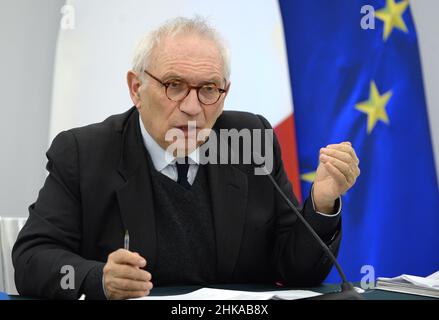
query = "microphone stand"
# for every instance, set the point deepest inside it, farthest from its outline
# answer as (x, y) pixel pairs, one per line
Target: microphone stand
(347, 290)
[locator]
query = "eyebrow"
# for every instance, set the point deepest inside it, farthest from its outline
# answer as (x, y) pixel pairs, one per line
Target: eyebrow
(172, 75)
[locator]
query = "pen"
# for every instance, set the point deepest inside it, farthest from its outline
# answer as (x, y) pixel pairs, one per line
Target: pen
(126, 241)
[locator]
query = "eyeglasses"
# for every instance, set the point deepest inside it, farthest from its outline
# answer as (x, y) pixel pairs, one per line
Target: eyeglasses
(178, 90)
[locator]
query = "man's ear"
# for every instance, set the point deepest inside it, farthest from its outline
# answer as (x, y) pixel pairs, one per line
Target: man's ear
(133, 86)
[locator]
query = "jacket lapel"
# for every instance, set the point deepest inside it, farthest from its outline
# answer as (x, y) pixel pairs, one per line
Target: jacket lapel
(135, 196)
(228, 189)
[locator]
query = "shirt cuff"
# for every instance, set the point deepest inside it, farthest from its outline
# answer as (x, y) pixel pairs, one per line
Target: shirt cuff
(103, 287)
(337, 206)
(326, 225)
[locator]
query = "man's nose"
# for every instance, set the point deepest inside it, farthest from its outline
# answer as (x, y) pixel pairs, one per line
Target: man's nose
(191, 105)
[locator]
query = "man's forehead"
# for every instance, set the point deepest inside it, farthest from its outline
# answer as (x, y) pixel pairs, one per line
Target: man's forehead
(184, 54)
(187, 48)
(194, 43)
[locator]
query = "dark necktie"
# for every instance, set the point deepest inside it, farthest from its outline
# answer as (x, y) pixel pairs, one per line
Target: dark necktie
(182, 170)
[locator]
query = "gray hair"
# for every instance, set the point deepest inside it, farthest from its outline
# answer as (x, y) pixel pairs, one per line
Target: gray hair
(180, 25)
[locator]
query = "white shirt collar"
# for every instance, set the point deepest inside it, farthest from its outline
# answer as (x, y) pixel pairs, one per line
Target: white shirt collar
(160, 158)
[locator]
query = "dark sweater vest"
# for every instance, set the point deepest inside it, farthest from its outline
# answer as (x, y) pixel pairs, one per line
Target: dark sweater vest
(186, 250)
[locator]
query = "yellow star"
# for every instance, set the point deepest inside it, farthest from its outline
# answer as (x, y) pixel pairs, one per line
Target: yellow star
(308, 177)
(375, 107)
(391, 15)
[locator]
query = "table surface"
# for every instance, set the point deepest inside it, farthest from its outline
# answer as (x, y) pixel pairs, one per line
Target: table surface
(370, 294)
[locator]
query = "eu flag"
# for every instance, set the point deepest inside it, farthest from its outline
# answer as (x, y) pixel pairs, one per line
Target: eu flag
(363, 83)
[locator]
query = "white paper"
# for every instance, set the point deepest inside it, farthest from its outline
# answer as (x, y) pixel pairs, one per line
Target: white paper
(220, 294)
(430, 282)
(434, 275)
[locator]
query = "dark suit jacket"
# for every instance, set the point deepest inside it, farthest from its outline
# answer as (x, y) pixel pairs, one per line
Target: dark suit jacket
(99, 186)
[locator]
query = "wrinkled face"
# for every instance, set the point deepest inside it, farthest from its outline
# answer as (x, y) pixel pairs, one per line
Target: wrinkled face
(189, 58)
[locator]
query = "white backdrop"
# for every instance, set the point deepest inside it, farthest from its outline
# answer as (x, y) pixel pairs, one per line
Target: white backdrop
(427, 25)
(92, 58)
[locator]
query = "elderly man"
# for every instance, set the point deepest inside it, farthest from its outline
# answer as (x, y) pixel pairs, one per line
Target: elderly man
(188, 222)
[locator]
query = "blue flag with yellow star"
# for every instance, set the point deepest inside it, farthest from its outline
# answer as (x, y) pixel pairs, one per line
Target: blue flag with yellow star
(358, 78)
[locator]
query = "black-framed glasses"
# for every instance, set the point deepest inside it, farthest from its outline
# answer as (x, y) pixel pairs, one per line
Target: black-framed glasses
(178, 90)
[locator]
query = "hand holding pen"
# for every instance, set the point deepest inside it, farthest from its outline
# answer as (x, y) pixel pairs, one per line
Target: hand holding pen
(124, 277)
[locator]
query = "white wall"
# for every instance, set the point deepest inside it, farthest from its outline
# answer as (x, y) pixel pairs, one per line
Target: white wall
(93, 56)
(425, 13)
(28, 31)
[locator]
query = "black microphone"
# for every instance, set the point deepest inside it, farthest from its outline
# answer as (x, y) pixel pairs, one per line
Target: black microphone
(347, 290)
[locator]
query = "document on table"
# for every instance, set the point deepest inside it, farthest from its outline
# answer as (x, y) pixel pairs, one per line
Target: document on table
(405, 283)
(221, 294)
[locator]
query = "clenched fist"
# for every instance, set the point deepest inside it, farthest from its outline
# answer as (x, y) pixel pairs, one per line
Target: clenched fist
(337, 172)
